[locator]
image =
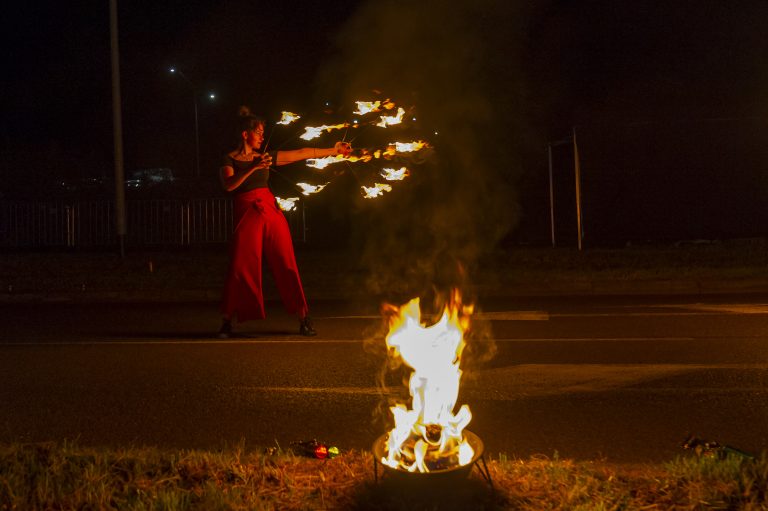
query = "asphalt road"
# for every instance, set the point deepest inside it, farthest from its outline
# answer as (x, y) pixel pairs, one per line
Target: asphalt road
(622, 379)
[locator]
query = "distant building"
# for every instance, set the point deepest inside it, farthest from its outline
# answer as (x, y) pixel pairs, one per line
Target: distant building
(145, 178)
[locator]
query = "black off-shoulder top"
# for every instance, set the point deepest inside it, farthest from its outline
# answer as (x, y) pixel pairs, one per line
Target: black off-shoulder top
(259, 178)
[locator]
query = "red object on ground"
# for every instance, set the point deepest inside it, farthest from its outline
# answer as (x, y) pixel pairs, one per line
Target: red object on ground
(321, 452)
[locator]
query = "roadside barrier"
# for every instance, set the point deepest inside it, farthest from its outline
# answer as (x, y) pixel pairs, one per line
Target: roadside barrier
(91, 223)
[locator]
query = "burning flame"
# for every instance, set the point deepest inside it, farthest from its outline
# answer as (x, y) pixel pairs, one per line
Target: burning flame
(389, 120)
(287, 204)
(311, 132)
(366, 107)
(288, 118)
(377, 190)
(395, 175)
(308, 189)
(429, 436)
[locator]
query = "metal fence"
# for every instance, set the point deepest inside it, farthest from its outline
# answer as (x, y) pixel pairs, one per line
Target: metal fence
(91, 223)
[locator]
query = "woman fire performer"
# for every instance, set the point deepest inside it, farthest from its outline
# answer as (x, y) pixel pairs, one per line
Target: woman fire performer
(261, 229)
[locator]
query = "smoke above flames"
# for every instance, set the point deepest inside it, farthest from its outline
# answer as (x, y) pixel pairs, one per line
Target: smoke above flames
(457, 64)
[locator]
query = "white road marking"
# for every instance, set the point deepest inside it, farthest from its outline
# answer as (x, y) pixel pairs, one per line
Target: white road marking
(273, 340)
(584, 339)
(495, 316)
(513, 316)
(728, 308)
(692, 309)
(323, 390)
(549, 379)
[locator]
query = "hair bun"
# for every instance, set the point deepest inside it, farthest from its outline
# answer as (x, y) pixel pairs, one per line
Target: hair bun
(244, 111)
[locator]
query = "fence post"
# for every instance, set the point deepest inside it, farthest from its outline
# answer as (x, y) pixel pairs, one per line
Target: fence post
(70, 219)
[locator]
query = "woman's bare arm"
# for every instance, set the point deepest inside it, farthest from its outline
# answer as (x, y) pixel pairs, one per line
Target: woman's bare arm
(286, 157)
(230, 179)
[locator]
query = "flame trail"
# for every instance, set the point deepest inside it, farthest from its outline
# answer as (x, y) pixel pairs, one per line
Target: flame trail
(391, 119)
(361, 155)
(287, 204)
(308, 189)
(394, 175)
(311, 132)
(321, 163)
(377, 190)
(407, 147)
(288, 118)
(366, 107)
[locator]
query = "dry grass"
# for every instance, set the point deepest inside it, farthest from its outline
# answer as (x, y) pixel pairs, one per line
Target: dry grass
(52, 476)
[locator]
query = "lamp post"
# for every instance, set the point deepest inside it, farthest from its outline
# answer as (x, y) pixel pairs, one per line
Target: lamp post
(195, 92)
(552, 187)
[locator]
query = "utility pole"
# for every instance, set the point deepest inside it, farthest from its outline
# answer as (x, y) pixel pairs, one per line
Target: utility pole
(117, 130)
(195, 96)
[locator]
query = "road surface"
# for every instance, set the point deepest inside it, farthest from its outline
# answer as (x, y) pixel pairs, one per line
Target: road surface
(622, 379)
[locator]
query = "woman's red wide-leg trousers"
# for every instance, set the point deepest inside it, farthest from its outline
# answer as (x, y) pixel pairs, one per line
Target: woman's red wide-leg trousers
(260, 231)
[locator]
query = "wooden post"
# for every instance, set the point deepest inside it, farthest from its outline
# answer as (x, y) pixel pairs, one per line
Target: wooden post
(551, 197)
(577, 172)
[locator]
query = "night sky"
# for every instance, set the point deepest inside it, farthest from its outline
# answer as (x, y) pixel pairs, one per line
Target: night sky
(497, 79)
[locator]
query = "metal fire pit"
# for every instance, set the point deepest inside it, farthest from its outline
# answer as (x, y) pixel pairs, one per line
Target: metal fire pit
(436, 477)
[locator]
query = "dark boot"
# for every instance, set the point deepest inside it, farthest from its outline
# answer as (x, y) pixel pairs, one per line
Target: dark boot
(225, 332)
(305, 327)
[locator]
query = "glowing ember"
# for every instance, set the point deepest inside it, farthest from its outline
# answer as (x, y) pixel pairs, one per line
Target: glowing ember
(287, 204)
(288, 118)
(429, 436)
(395, 175)
(314, 132)
(308, 189)
(377, 190)
(389, 120)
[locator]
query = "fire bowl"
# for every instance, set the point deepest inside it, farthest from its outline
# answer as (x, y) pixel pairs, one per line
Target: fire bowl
(447, 475)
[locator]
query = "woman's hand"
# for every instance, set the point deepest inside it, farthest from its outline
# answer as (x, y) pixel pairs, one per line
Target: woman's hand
(263, 161)
(343, 148)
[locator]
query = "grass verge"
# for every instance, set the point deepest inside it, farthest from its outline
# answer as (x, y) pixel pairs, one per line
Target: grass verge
(333, 274)
(67, 476)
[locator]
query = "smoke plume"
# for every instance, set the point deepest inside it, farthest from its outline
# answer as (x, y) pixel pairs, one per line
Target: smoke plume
(457, 65)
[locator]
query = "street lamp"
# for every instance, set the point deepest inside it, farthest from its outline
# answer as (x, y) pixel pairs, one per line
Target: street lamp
(195, 93)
